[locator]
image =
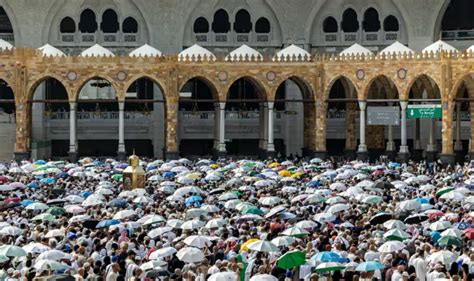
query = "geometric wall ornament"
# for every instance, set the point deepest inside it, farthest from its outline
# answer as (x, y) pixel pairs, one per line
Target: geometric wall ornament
(121, 75)
(360, 74)
(402, 73)
(222, 76)
(271, 76)
(71, 75)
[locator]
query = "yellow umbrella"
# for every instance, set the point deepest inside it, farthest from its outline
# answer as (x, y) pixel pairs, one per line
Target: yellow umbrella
(193, 176)
(297, 175)
(214, 166)
(243, 247)
(273, 165)
(284, 173)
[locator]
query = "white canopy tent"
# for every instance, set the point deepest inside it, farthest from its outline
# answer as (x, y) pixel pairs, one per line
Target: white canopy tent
(146, 51)
(356, 50)
(396, 49)
(96, 51)
(50, 51)
(439, 46)
(244, 53)
(196, 52)
(292, 53)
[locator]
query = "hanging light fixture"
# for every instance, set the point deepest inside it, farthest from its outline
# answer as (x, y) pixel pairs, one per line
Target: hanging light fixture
(48, 112)
(195, 110)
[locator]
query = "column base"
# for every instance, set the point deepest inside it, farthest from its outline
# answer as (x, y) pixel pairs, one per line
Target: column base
(171, 155)
(350, 154)
(403, 157)
(220, 154)
(460, 156)
(447, 159)
(320, 154)
(417, 155)
(73, 156)
(121, 155)
(431, 155)
(270, 154)
(362, 155)
(20, 156)
(391, 154)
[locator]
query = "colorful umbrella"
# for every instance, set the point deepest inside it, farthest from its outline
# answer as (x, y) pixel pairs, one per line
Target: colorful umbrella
(291, 260)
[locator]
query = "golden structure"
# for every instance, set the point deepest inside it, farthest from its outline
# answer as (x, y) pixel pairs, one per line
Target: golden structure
(133, 175)
(446, 73)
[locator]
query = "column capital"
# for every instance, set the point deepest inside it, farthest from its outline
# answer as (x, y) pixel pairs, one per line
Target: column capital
(362, 104)
(121, 105)
(72, 105)
(222, 105)
(270, 104)
(404, 104)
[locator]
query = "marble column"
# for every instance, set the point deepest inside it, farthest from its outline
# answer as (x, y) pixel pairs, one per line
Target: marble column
(121, 145)
(221, 147)
(270, 144)
(458, 142)
(404, 152)
(362, 149)
(72, 132)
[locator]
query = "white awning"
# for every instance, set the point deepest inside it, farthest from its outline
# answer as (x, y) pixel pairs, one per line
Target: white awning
(146, 51)
(439, 46)
(4, 45)
(50, 51)
(355, 50)
(395, 49)
(244, 53)
(292, 53)
(194, 53)
(96, 51)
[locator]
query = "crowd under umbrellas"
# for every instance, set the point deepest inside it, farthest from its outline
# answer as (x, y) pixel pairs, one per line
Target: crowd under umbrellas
(236, 220)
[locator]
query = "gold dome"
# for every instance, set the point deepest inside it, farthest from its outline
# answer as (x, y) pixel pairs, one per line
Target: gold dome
(133, 160)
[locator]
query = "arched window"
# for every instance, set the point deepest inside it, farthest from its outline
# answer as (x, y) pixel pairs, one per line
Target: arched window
(109, 22)
(262, 25)
(243, 23)
(330, 25)
(221, 22)
(349, 21)
(391, 24)
(67, 25)
(458, 16)
(201, 25)
(371, 21)
(5, 24)
(88, 22)
(129, 25)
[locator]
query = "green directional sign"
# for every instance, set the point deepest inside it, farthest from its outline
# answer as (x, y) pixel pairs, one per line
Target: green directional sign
(432, 111)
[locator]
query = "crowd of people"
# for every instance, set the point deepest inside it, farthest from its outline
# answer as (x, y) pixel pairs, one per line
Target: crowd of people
(236, 220)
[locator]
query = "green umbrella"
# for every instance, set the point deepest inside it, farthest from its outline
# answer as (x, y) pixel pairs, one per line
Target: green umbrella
(444, 190)
(250, 210)
(56, 211)
(117, 177)
(12, 251)
(450, 240)
(396, 234)
(3, 258)
(291, 260)
(249, 164)
(372, 199)
(42, 168)
(329, 266)
(252, 173)
(44, 217)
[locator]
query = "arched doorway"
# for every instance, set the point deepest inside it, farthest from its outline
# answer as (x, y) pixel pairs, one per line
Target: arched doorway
(383, 136)
(49, 118)
(426, 141)
(7, 121)
(464, 134)
(246, 116)
(341, 129)
(198, 118)
(294, 110)
(144, 119)
(457, 22)
(97, 119)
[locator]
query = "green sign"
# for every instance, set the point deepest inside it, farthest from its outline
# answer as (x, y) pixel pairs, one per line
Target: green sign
(424, 111)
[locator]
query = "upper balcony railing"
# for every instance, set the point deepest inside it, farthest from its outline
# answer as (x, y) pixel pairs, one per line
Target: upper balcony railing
(458, 35)
(98, 37)
(232, 38)
(7, 37)
(362, 37)
(229, 115)
(112, 115)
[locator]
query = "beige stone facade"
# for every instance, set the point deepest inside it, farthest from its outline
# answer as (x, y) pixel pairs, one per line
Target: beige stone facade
(24, 69)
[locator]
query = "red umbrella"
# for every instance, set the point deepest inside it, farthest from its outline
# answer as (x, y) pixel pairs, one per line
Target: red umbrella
(12, 199)
(3, 179)
(469, 233)
(435, 215)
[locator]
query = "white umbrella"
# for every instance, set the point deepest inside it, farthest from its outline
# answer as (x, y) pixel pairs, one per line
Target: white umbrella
(335, 200)
(153, 264)
(74, 209)
(124, 214)
(269, 201)
(174, 223)
(74, 199)
(52, 265)
(159, 231)
(143, 200)
(263, 277)
(283, 241)
(232, 204)
(11, 231)
(453, 232)
(453, 196)
(37, 206)
(54, 255)
(36, 248)
(444, 257)
(152, 219)
(409, 205)
(197, 241)
(394, 224)
(127, 194)
(391, 246)
(306, 224)
(215, 223)
(192, 224)
(263, 246)
(12, 251)
(324, 217)
(190, 255)
(162, 253)
(427, 187)
(338, 208)
(104, 191)
(294, 231)
(195, 213)
(55, 233)
(79, 218)
(210, 208)
(440, 225)
(223, 276)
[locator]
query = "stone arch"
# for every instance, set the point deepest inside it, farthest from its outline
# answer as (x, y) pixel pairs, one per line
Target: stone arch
(428, 83)
(346, 82)
(33, 85)
(12, 19)
(67, 25)
(155, 80)
(391, 23)
(210, 84)
(350, 21)
(130, 25)
(391, 89)
(201, 25)
(306, 87)
(221, 16)
(459, 81)
(262, 92)
(83, 81)
(242, 21)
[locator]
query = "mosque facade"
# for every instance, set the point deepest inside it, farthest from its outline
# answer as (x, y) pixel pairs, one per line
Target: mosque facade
(234, 77)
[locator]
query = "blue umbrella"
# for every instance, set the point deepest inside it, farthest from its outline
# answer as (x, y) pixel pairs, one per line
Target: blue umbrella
(192, 200)
(98, 163)
(369, 266)
(40, 162)
(168, 174)
(107, 223)
(313, 184)
(86, 194)
(62, 175)
(121, 166)
(435, 236)
(422, 200)
(326, 257)
(48, 181)
(33, 185)
(118, 203)
(26, 202)
(151, 167)
(393, 165)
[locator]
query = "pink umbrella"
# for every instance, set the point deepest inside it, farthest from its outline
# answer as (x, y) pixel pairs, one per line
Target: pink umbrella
(17, 185)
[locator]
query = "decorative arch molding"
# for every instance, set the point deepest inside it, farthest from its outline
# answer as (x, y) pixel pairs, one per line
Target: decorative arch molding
(347, 79)
(33, 85)
(419, 76)
(261, 89)
(304, 84)
(210, 83)
(160, 82)
(119, 91)
(387, 83)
